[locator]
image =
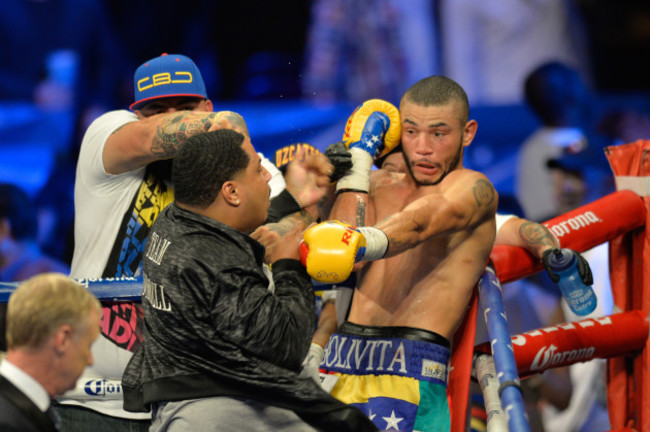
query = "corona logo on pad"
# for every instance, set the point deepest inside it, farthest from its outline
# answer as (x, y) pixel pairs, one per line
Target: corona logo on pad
(164, 78)
(102, 387)
(551, 356)
(561, 351)
(574, 223)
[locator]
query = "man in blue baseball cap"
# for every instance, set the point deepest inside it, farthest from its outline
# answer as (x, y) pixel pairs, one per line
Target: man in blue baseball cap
(165, 78)
(122, 183)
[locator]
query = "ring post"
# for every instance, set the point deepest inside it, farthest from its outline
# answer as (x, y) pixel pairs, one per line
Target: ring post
(628, 378)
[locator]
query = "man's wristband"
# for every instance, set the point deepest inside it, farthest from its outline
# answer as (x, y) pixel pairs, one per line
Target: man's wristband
(376, 243)
(339, 191)
(282, 205)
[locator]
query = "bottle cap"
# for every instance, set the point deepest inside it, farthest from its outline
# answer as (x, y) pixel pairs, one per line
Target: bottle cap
(561, 259)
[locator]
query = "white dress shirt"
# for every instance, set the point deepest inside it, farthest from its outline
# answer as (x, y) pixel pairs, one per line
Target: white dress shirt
(26, 384)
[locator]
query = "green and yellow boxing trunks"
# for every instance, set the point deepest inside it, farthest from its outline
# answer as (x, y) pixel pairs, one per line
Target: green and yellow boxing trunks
(397, 376)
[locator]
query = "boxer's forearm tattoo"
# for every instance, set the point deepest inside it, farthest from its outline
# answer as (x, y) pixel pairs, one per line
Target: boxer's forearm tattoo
(394, 242)
(483, 193)
(536, 236)
(361, 212)
(175, 130)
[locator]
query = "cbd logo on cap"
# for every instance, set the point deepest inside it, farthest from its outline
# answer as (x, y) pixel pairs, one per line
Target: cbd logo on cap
(165, 78)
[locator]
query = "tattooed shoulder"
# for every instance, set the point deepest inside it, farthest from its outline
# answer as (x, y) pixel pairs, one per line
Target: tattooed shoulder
(484, 193)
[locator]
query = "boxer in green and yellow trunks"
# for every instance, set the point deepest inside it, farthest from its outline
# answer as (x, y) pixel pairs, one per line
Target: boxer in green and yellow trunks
(395, 375)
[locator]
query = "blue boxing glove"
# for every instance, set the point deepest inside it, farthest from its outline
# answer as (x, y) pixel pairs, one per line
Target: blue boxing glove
(372, 135)
(375, 127)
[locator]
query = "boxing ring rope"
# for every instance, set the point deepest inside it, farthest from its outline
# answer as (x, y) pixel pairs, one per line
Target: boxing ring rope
(581, 229)
(565, 344)
(126, 289)
(106, 289)
(622, 338)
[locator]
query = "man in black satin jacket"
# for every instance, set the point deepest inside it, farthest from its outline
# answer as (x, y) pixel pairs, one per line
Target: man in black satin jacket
(225, 336)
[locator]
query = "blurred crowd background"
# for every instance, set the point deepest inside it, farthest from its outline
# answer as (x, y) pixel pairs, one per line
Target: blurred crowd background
(552, 84)
(296, 69)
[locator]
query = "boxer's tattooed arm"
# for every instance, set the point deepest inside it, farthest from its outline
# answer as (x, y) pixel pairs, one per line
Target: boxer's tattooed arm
(483, 193)
(397, 240)
(395, 243)
(421, 220)
(175, 130)
(536, 237)
(361, 212)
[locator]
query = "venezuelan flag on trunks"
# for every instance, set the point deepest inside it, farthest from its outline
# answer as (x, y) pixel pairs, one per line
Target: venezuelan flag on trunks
(400, 384)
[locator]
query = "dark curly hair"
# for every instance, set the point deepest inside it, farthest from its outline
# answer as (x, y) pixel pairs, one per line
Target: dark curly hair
(204, 163)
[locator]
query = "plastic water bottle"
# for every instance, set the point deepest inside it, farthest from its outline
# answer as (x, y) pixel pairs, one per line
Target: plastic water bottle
(580, 297)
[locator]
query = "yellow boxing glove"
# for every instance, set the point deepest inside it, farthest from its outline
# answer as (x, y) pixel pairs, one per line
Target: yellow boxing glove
(330, 249)
(359, 130)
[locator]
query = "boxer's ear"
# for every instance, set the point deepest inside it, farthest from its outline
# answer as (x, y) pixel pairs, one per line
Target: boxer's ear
(469, 132)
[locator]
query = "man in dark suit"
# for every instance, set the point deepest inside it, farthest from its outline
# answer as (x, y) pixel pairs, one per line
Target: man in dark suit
(51, 323)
